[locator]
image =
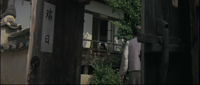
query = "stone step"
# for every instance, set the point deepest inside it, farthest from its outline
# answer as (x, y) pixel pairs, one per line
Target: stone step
(85, 78)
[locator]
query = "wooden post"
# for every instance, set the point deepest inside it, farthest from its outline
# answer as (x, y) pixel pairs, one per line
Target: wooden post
(164, 57)
(63, 66)
(35, 38)
(165, 53)
(142, 44)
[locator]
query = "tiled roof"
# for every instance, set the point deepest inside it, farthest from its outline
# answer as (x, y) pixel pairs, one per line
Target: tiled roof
(17, 41)
(14, 40)
(12, 47)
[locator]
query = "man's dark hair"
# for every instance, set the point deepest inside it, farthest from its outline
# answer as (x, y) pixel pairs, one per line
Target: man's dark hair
(103, 45)
(136, 30)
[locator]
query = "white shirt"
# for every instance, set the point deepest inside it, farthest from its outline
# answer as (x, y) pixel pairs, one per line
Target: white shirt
(130, 57)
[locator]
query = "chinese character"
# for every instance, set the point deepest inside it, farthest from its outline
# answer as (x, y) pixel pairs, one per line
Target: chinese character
(49, 14)
(47, 37)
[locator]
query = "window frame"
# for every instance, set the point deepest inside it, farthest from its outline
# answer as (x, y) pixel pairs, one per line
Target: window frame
(112, 31)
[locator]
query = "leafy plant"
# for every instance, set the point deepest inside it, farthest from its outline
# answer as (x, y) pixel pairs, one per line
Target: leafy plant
(131, 18)
(116, 60)
(104, 74)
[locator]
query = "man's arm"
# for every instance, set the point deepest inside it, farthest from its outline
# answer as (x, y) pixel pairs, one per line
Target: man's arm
(124, 61)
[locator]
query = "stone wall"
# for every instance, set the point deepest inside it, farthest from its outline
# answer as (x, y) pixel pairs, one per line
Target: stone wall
(13, 67)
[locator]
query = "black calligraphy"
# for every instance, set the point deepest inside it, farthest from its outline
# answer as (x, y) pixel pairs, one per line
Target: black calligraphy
(49, 14)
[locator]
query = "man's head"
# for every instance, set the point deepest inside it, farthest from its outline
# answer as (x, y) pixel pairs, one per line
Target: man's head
(103, 46)
(136, 30)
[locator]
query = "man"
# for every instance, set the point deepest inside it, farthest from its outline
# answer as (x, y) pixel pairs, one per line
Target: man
(130, 59)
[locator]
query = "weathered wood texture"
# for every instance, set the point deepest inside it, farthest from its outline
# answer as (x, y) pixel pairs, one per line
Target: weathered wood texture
(179, 31)
(150, 16)
(164, 58)
(35, 33)
(73, 18)
(63, 66)
(194, 25)
(177, 17)
(178, 70)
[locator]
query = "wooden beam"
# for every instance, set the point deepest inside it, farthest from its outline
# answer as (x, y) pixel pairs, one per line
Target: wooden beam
(155, 47)
(145, 38)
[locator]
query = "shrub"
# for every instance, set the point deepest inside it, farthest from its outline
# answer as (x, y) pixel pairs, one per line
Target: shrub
(104, 74)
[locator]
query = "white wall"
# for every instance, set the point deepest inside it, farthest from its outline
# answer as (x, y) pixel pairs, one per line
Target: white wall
(23, 12)
(13, 67)
(102, 9)
(87, 30)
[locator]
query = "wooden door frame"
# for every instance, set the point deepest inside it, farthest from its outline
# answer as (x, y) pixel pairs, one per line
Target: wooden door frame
(142, 44)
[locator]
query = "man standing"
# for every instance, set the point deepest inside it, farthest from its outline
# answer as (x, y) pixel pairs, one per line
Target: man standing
(131, 60)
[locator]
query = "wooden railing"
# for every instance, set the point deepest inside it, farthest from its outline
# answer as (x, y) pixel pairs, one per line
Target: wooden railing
(110, 46)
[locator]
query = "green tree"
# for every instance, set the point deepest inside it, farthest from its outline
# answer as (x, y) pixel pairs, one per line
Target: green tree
(131, 18)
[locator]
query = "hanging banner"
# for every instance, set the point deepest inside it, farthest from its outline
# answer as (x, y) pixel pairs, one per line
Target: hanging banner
(48, 27)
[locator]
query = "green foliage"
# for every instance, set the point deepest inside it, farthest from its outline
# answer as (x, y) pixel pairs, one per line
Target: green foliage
(104, 74)
(116, 60)
(132, 10)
